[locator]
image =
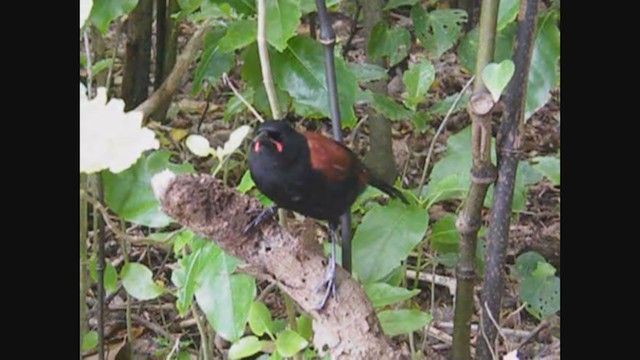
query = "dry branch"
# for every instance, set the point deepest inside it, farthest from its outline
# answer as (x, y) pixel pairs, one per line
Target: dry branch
(347, 328)
(171, 83)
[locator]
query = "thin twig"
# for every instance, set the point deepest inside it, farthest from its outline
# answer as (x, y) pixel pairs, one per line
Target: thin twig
(228, 82)
(440, 129)
(87, 51)
(172, 81)
(113, 56)
(151, 326)
(265, 66)
(204, 342)
(511, 333)
(543, 325)
(176, 347)
(450, 283)
(497, 326)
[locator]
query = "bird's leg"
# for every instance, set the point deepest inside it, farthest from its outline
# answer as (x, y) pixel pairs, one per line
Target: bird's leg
(330, 276)
(268, 211)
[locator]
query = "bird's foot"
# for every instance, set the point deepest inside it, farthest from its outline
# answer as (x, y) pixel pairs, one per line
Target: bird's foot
(268, 211)
(329, 283)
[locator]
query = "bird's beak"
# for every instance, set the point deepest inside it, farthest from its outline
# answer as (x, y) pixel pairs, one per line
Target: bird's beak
(260, 135)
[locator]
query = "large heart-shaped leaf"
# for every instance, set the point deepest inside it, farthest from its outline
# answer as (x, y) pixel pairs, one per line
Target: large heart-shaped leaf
(239, 34)
(283, 17)
(385, 237)
(300, 71)
(225, 297)
(129, 193)
(497, 76)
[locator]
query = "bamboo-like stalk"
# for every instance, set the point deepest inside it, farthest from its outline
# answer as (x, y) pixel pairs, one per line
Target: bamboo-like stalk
(483, 173)
(508, 143)
(265, 65)
(327, 38)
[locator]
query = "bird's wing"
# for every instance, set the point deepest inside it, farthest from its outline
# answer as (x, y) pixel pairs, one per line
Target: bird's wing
(331, 158)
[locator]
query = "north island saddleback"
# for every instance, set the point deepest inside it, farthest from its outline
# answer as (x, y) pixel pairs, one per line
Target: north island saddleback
(312, 175)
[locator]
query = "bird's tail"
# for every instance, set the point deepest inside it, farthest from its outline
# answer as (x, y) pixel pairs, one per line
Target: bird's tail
(386, 188)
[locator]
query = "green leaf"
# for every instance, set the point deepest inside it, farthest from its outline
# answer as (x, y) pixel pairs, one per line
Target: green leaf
(181, 239)
(224, 297)
(137, 279)
(468, 48)
(396, 322)
(544, 269)
(543, 74)
(389, 108)
(245, 347)
(388, 42)
(235, 105)
(89, 340)
(260, 319)
(396, 3)
(129, 193)
(525, 176)
(395, 277)
(385, 237)
(283, 17)
(110, 277)
(382, 294)
(288, 343)
(438, 29)
(526, 263)
(213, 63)
(303, 323)
(451, 187)
(417, 80)
(420, 120)
(549, 166)
(541, 291)
(442, 107)
(100, 66)
(244, 7)
(246, 183)
(507, 12)
(307, 6)
(239, 34)
(444, 235)
(189, 6)
(300, 71)
(104, 11)
(455, 164)
(497, 76)
(194, 263)
(367, 72)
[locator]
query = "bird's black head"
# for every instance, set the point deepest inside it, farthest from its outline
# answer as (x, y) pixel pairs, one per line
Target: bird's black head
(277, 141)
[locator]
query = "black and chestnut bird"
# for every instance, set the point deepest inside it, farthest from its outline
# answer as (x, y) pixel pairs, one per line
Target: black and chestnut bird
(310, 174)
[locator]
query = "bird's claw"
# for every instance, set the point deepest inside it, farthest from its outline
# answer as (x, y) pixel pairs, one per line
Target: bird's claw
(330, 283)
(268, 211)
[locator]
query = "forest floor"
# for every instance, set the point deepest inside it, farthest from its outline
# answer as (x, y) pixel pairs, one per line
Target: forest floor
(535, 228)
